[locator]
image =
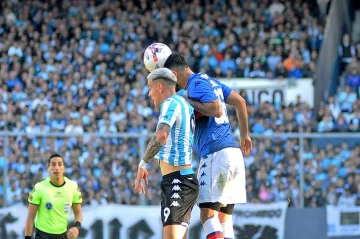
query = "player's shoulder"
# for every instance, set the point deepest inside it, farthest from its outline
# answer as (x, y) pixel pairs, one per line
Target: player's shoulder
(170, 102)
(42, 182)
(202, 79)
(40, 185)
(70, 182)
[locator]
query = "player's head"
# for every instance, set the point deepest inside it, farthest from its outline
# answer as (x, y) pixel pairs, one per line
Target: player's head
(177, 63)
(56, 166)
(162, 83)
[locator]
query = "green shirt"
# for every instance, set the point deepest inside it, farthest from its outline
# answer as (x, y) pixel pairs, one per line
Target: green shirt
(54, 204)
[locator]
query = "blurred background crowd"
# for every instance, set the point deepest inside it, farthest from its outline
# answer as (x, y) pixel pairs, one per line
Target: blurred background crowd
(76, 66)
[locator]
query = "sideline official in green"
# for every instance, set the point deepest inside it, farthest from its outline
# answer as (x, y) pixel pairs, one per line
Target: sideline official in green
(50, 201)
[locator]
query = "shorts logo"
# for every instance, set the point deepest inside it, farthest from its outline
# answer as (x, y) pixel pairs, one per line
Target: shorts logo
(48, 205)
(204, 165)
(176, 181)
(176, 188)
(176, 196)
(203, 174)
(202, 183)
(175, 204)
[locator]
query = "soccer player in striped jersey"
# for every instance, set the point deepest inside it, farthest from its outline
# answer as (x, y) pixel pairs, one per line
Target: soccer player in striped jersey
(221, 168)
(172, 146)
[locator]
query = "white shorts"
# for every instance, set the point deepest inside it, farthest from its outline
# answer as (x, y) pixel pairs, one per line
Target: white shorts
(221, 177)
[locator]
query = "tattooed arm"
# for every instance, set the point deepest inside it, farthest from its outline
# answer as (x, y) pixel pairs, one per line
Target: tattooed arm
(211, 109)
(156, 142)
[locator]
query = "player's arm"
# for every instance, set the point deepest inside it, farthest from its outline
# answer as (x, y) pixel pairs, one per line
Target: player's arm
(29, 227)
(239, 103)
(157, 141)
(202, 97)
(168, 113)
(34, 202)
(233, 98)
(211, 109)
(74, 231)
(77, 214)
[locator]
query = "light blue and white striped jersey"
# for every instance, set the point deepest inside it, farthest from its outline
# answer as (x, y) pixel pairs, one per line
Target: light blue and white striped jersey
(177, 113)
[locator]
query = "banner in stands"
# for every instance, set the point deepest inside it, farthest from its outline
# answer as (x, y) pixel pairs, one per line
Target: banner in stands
(343, 221)
(274, 91)
(135, 222)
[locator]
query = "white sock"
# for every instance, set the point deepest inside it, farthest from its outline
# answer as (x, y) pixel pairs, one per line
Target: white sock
(213, 229)
(228, 228)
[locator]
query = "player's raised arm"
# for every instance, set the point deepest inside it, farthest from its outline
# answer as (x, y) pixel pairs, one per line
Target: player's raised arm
(211, 109)
(202, 97)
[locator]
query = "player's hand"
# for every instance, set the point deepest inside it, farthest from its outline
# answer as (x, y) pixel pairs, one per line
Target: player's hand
(73, 233)
(141, 174)
(246, 145)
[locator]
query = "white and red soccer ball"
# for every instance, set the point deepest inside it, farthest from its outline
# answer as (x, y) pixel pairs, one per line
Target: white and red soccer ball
(155, 56)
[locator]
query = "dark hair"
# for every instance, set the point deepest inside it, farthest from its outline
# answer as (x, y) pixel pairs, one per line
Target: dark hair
(176, 60)
(55, 155)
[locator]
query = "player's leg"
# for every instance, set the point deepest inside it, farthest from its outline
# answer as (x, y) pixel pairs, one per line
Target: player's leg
(174, 231)
(209, 219)
(225, 217)
(209, 194)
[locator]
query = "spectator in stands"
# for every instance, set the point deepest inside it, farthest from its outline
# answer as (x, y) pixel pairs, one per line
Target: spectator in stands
(346, 99)
(353, 78)
(88, 76)
(346, 51)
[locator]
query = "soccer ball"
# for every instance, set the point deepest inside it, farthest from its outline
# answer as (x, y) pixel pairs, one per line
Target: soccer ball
(155, 56)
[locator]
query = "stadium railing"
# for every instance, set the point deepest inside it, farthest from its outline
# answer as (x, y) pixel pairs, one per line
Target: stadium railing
(317, 138)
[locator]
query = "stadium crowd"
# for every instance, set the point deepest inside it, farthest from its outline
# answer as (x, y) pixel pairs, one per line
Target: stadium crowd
(76, 66)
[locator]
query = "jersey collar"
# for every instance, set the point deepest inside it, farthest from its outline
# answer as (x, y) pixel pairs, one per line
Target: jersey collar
(56, 185)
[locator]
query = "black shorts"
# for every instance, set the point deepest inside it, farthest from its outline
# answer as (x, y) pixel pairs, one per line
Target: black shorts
(43, 235)
(178, 197)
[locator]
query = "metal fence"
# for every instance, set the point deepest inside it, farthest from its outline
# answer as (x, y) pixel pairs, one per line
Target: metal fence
(302, 139)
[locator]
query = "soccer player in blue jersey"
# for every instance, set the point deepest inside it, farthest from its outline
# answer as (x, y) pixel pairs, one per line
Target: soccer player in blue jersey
(221, 169)
(172, 146)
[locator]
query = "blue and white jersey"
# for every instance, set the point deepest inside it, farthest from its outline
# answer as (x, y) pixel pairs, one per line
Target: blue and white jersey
(211, 134)
(177, 113)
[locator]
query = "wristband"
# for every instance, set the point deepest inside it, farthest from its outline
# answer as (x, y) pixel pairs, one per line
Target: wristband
(27, 237)
(142, 164)
(77, 224)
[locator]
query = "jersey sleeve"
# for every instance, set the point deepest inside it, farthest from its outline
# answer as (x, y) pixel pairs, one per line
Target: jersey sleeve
(201, 90)
(168, 113)
(77, 198)
(35, 195)
(226, 91)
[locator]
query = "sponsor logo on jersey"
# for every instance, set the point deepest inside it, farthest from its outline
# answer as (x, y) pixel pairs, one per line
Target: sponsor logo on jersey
(49, 205)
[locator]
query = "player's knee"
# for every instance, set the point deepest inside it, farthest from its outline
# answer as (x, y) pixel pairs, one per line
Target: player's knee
(208, 210)
(226, 213)
(228, 209)
(174, 231)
